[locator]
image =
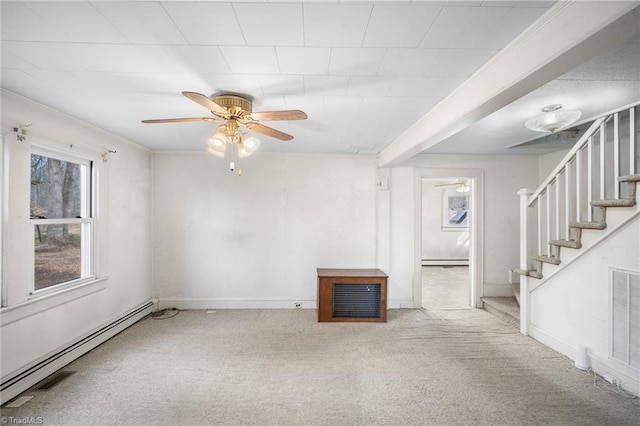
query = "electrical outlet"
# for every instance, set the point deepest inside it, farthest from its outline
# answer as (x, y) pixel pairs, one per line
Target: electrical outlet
(298, 305)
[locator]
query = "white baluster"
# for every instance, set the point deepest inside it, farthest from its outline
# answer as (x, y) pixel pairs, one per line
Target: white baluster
(632, 141)
(578, 183)
(589, 178)
(603, 131)
(616, 156)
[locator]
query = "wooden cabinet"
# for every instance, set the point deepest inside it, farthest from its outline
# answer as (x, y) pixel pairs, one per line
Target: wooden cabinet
(352, 295)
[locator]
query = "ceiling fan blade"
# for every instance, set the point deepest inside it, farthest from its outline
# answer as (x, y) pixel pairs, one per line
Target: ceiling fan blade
(180, 120)
(292, 114)
(206, 102)
(257, 127)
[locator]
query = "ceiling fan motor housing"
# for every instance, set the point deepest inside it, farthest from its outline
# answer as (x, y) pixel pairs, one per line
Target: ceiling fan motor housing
(234, 104)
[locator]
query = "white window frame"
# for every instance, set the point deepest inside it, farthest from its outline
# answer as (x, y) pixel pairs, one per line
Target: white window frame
(19, 301)
(87, 211)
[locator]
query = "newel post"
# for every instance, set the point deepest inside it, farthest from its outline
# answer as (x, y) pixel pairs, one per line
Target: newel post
(525, 255)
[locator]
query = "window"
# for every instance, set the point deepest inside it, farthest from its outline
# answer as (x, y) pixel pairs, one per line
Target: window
(61, 211)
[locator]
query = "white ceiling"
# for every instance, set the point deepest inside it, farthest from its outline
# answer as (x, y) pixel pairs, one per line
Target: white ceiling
(363, 71)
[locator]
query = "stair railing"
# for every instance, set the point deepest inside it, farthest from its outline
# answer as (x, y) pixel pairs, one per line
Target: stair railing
(590, 171)
(554, 214)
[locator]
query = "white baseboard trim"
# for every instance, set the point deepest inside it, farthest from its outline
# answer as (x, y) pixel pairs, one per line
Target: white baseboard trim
(445, 262)
(13, 384)
(629, 380)
(548, 340)
(203, 304)
(200, 304)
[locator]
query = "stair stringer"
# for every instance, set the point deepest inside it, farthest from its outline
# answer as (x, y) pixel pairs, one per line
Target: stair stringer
(570, 307)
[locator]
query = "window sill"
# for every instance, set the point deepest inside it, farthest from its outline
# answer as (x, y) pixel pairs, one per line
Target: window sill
(38, 304)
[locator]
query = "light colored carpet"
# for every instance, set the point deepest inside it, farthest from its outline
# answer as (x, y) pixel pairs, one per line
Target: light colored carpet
(445, 287)
(450, 367)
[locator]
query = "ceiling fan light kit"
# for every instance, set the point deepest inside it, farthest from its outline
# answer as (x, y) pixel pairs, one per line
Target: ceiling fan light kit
(553, 119)
(237, 113)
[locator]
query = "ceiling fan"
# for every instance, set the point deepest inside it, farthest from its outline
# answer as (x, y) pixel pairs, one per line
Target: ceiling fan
(236, 111)
(461, 186)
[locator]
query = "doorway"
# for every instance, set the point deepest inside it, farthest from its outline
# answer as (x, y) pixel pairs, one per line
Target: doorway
(448, 272)
(446, 283)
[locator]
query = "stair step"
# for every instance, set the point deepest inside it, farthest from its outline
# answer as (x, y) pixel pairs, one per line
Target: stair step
(630, 178)
(548, 259)
(589, 225)
(505, 308)
(625, 202)
(535, 274)
(566, 243)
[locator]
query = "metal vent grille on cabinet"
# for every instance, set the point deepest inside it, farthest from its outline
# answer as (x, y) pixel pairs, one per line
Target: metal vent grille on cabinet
(356, 300)
(625, 317)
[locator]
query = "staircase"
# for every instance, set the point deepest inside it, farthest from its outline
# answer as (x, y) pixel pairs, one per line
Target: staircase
(598, 174)
(598, 222)
(582, 187)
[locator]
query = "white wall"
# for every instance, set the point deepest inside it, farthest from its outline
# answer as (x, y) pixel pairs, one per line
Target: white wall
(548, 162)
(222, 240)
(124, 255)
(571, 308)
(503, 177)
(439, 244)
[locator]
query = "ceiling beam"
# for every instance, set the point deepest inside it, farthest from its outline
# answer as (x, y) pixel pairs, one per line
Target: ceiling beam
(570, 33)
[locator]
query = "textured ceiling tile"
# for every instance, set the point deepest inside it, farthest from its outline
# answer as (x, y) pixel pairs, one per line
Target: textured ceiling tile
(335, 25)
(399, 26)
(369, 86)
(406, 62)
(303, 60)
(621, 64)
(21, 23)
(44, 56)
(79, 21)
(424, 86)
(199, 58)
(281, 84)
(325, 84)
(458, 62)
(462, 27)
(206, 23)
(271, 24)
(120, 57)
(355, 60)
(141, 22)
(510, 27)
(251, 60)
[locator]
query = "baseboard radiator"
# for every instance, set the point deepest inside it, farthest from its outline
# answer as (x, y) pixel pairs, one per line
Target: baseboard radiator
(18, 382)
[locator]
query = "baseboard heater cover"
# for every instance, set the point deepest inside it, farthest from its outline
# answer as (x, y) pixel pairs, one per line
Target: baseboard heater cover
(355, 295)
(17, 383)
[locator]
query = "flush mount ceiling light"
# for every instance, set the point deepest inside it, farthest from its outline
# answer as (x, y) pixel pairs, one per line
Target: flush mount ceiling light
(236, 112)
(553, 119)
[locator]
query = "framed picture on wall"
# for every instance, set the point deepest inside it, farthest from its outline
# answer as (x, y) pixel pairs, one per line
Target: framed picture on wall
(455, 210)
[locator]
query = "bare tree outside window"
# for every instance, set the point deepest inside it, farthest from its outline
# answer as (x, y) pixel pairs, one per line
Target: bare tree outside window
(57, 197)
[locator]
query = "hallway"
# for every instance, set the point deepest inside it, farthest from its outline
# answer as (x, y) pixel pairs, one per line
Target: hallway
(445, 287)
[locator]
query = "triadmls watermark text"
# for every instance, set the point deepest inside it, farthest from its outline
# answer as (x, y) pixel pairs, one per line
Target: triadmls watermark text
(25, 420)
